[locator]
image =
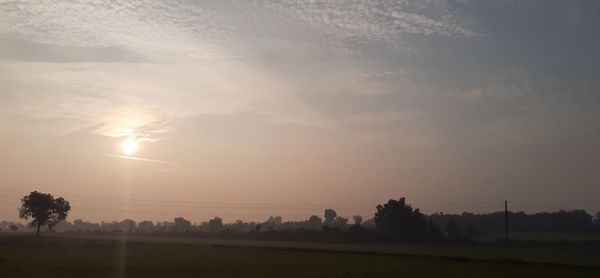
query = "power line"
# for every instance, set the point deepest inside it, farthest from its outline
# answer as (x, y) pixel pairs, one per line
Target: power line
(135, 202)
(189, 213)
(153, 201)
(251, 204)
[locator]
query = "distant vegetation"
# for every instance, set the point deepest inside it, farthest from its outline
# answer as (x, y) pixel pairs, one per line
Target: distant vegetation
(394, 221)
(574, 221)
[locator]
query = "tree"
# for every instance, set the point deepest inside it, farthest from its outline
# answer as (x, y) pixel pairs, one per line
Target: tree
(125, 226)
(276, 221)
(329, 216)
(146, 226)
(340, 222)
(13, 227)
(43, 209)
(182, 225)
(61, 211)
(273, 222)
(215, 224)
(314, 222)
(357, 219)
(399, 221)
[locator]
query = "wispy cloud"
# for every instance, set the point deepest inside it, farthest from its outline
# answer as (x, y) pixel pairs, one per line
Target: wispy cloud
(293, 62)
(140, 159)
(215, 29)
(294, 85)
(364, 21)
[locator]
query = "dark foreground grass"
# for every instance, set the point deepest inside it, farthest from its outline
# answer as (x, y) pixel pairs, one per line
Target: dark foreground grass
(85, 257)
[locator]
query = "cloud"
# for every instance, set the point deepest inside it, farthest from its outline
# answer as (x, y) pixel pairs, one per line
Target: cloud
(386, 117)
(372, 20)
(13, 48)
(143, 126)
(145, 27)
(311, 63)
(184, 30)
(143, 100)
(141, 159)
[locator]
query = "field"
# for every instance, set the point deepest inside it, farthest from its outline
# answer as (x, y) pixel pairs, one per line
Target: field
(543, 237)
(27, 256)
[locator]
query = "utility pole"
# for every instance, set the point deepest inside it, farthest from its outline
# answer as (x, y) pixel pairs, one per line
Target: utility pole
(506, 227)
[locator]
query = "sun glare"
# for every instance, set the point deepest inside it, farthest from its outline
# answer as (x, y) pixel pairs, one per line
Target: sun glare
(130, 146)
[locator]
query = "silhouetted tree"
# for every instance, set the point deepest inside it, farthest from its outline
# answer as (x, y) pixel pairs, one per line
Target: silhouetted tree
(80, 225)
(329, 216)
(399, 221)
(215, 224)
(43, 209)
(240, 226)
(272, 222)
(340, 222)
(146, 226)
(369, 223)
(13, 227)
(576, 221)
(60, 212)
(357, 219)
(127, 225)
(277, 220)
(182, 225)
(314, 222)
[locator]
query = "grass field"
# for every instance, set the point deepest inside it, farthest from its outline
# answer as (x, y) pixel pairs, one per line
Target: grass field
(574, 237)
(26, 256)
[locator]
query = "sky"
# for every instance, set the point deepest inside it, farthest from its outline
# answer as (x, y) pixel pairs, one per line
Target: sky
(245, 109)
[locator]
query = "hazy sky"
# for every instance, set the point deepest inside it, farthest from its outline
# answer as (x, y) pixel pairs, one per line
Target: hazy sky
(245, 109)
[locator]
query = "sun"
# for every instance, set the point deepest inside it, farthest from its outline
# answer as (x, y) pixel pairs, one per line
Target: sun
(130, 146)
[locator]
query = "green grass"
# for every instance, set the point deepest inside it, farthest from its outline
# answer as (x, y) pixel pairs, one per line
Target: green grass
(26, 256)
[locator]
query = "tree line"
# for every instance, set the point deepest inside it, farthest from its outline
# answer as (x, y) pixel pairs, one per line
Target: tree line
(394, 221)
